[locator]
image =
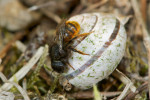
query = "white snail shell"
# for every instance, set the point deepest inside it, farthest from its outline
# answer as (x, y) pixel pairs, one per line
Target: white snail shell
(105, 46)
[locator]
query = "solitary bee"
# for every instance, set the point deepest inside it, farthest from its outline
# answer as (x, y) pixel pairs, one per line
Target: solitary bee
(66, 33)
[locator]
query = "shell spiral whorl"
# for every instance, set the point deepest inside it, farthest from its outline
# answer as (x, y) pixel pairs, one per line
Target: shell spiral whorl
(105, 46)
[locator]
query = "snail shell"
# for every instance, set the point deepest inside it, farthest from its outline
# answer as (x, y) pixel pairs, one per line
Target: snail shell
(105, 46)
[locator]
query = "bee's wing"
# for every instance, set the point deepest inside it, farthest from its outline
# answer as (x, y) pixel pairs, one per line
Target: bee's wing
(60, 33)
(60, 41)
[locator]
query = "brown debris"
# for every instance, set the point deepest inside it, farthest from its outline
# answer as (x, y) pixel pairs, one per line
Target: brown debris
(18, 36)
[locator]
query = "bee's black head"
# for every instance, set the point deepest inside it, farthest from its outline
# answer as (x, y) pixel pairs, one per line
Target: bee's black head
(59, 66)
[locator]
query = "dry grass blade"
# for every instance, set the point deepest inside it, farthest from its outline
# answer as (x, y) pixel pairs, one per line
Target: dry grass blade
(125, 80)
(36, 7)
(143, 9)
(0, 61)
(6, 95)
(89, 94)
(124, 19)
(24, 84)
(90, 8)
(140, 89)
(20, 46)
(49, 14)
(124, 92)
(97, 95)
(25, 69)
(21, 90)
(53, 16)
(146, 36)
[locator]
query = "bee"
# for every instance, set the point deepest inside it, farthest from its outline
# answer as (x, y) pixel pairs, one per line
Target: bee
(66, 33)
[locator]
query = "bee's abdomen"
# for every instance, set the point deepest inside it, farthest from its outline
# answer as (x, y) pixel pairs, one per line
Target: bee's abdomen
(72, 29)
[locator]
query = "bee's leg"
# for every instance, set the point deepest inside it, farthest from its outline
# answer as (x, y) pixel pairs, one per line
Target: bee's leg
(79, 36)
(78, 51)
(67, 63)
(70, 65)
(83, 34)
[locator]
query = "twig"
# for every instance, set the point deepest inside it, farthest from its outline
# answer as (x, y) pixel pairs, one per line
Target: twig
(0, 61)
(21, 90)
(20, 46)
(138, 77)
(131, 94)
(125, 80)
(18, 36)
(146, 36)
(77, 10)
(6, 95)
(94, 6)
(51, 15)
(24, 84)
(36, 7)
(89, 94)
(144, 9)
(124, 19)
(24, 70)
(124, 92)
(83, 3)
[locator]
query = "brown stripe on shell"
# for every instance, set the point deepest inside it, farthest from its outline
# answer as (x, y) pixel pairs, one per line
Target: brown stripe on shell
(97, 55)
(79, 40)
(94, 23)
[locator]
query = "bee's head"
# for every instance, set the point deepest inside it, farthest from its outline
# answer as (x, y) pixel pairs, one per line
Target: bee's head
(59, 66)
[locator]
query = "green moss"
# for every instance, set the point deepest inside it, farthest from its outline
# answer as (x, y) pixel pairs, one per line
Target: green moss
(80, 58)
(102, 73)
(89, 75)
(82, 30)
(93, 51)
(79, 77)
(84, 48)
(98, 65)
(96, 35)
(118, 45)
(103, 23)
(90, 41)
(71, 57)
(34, 77)
(109, 52)
(102, 59)
(108, 60)
(94, 71)
(104, 30)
